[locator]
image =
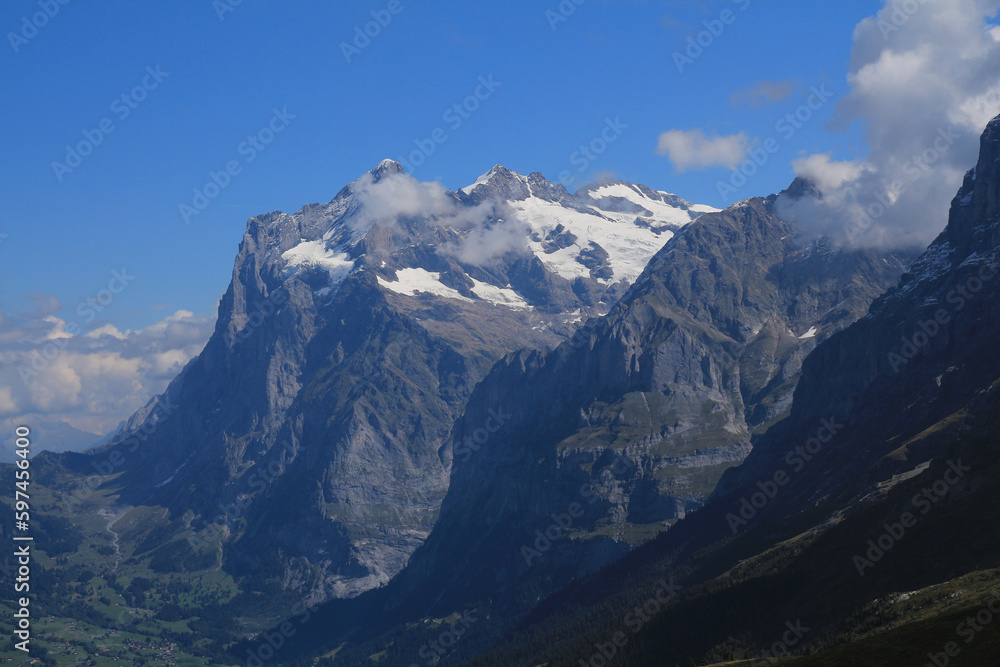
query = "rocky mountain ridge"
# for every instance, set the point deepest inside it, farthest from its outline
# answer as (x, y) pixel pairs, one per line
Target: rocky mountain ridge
(307, 438)
(627, 427)
(868, 512)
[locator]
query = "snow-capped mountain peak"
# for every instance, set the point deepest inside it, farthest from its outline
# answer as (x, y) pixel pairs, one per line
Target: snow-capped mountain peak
(494, 241)
(386, 168)
(496, 170)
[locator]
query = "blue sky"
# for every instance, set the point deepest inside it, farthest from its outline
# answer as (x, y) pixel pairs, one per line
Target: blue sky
(557, 88)
(267, 97)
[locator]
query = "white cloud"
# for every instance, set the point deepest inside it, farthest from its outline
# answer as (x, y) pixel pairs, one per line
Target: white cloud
(489, 230)
(827, 174)
(695, 150)
(7, 403)
(486, 242)
(106, 330)
(401, 195)
(923, 85)
(93, 380)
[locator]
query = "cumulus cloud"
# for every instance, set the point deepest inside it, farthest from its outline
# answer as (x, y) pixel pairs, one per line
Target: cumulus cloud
(401, 195)
(7, 403)
(488, 241)
(825, 173)
(924, 84)
(693, 149)
(89, 380)
(762, 93)
(487, 231)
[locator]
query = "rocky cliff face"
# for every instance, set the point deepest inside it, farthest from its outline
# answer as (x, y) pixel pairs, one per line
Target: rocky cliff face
(924, 351)
(306, 441)
(898, 413)
(628, 426)
(877, 494)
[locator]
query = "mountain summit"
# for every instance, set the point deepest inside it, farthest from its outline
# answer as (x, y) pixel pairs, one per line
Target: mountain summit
(310, 437)
(625, 429)
(869, 511)
(386, 168)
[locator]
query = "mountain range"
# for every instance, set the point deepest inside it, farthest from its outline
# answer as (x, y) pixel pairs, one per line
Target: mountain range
(556, 428)
(861, 529)
(346, 346)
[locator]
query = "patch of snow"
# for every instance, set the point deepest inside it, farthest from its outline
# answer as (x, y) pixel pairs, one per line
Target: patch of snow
(166, 481)
(171, 478)
(630, 239)
(661, 210)
(412, 281)
(485, 178)
(499, 296)
(315, 254)
(809, 334)
(629, 246)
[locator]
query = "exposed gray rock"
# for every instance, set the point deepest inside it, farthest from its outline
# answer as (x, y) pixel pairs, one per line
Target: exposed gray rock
(310, 437)
(634, 420)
